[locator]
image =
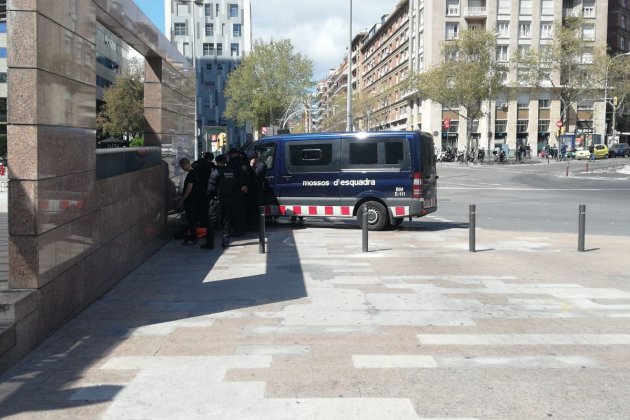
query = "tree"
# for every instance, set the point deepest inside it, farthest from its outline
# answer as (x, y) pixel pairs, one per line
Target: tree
(122, 114)
(570, 68)
(263, 87)
(618, 93)
(467, 78)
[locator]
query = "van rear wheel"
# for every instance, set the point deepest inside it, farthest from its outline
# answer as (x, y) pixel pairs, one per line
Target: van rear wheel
(377, 215)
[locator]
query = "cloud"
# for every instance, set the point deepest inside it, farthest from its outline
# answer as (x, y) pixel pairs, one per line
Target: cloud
(318, 29)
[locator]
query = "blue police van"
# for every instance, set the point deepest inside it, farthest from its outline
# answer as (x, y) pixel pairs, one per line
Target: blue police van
(391, 175)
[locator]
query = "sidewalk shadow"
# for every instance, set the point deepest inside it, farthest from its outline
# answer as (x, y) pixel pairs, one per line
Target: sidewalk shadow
(176, 284)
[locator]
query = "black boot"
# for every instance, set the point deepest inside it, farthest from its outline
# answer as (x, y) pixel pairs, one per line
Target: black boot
(209, 240)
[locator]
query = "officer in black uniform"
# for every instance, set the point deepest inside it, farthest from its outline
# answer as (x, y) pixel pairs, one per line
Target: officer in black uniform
(241, 170)
(221, 190)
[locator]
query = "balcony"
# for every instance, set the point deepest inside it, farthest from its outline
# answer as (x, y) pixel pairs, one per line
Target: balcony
(570, 13)
(472, 12)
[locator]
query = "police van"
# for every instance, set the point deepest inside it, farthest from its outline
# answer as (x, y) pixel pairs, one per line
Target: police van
(391, 175)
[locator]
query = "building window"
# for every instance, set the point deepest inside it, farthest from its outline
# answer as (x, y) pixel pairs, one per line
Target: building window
(209, 29)
(500, 126)
(180, 29)
(233, 10)
(622, 46)
(3, 53)
(588, 9)
(502, 53)
(452, 7)
(3, 77)
(505, 7)
(236, 30)
(546, 30)
(588, 32)
(526, 7)
(219, 49)
(523, 102)
(525, 30)
(208, 66)
(523, 51)
(234, 50)
(182, 9)
(451, 30)
(544, 103)
(208, 10)
(503, 28)
(543, 126)
(3, 27)
(585, 106)
(622, 23)
(208, 48)
(521, 126)
(546, 8)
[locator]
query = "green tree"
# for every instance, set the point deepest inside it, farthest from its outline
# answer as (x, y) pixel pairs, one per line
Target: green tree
(571, 68)
(266, 84)
(468, 77)
(617, 80)
(123, 111)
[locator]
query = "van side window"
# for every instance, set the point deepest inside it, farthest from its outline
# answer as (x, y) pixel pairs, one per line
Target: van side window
(320, 156)
(266, 153)
(394, 152)
(363, 154)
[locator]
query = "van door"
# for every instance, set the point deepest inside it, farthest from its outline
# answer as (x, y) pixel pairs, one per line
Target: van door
(268, 153)
(429, 172)
(311, 168)
(379, 167)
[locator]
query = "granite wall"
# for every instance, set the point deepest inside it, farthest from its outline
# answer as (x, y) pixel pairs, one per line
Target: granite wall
(72, 234)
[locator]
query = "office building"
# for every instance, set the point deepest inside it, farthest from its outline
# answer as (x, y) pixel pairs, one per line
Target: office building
(214, 35)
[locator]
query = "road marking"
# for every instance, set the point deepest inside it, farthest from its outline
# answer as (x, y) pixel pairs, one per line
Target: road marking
(434, 362)
(524, 339)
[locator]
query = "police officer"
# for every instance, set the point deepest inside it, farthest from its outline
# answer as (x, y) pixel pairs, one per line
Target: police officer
(203, 167)
(241, 170)
(221, 190)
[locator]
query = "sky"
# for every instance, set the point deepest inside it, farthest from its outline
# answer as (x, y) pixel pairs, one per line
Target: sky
(317, 29)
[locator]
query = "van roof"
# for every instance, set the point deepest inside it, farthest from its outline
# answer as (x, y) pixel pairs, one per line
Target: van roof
(354, 134)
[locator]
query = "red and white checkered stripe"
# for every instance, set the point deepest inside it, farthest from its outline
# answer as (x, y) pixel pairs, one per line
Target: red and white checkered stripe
(336, 211)
(56, 205)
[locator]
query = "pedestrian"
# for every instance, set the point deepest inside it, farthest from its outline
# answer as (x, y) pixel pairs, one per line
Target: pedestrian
(591, 150)
(203, 167)
(190, 200)
(241, 180)
(221, 190)
(563, 151)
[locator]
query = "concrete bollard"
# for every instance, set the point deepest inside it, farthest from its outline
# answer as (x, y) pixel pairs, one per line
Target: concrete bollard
(364, 226)
(582, 227)
(261, 230)
(471, 227)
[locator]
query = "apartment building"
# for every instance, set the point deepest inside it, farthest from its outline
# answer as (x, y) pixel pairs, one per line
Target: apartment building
(411, 38)
(214, 35)
(619, 43)
(3, 67)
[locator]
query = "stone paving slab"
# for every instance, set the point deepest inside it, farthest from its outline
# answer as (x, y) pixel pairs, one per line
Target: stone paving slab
(316, 329)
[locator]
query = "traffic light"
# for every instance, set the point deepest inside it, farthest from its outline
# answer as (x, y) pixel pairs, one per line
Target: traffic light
(446, 123)
(221, 138)
(615, 101)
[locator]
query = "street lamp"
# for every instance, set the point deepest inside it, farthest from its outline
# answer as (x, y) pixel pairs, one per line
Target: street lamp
(349, 90)
(614, 114)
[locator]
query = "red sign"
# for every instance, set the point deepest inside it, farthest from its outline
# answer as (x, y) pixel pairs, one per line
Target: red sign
(559, 124)
(446, 123)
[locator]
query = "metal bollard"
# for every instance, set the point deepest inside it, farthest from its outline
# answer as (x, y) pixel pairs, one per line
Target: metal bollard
(471, 227)
(586, 167)
(582, 227)
(364, 226)
(261, 230)
(567, 168)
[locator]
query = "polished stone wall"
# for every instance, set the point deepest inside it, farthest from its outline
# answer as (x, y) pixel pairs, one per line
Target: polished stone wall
(72, 234)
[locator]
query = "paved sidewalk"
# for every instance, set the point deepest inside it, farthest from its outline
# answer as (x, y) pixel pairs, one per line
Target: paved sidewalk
(315, 329)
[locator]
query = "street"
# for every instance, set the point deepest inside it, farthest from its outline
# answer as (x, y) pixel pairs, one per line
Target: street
(538, 197)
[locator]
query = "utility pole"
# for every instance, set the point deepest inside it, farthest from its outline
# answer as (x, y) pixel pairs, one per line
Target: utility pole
(349, 89)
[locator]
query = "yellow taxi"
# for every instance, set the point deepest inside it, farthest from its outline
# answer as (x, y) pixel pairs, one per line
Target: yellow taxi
(601, 152)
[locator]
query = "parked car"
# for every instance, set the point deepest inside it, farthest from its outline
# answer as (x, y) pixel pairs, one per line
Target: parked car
(619, 150)
(601, 152)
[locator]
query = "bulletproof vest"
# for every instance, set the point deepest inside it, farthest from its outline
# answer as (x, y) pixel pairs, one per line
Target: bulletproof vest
(226, 181)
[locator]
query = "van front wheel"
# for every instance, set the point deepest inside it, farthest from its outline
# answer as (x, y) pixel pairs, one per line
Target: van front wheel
(377, 215)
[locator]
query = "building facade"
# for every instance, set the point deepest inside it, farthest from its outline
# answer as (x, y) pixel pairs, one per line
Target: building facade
(411, 38)
(214, 35)
(3, 67)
